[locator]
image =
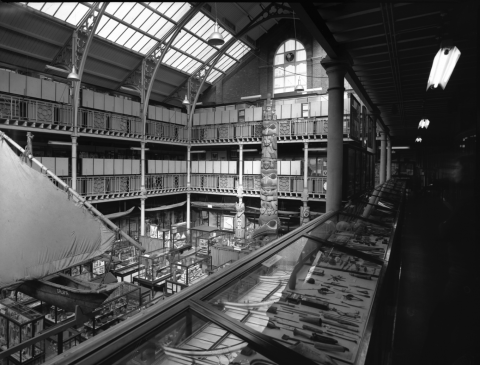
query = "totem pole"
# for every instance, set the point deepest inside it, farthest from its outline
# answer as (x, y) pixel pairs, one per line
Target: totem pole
(240, 220)
(268, 221)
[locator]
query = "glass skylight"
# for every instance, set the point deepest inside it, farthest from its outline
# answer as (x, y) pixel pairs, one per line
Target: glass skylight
(140, 26)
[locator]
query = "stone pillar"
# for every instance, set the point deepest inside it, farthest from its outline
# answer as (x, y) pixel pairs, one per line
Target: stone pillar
(268, 220)
(336, 69)
(142, 189)
(383, 157)
(389, 159)
(304, 209)
(240, 206)
(189, 158)
(74, 163)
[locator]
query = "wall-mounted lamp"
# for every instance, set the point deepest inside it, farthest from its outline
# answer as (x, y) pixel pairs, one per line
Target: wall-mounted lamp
(443, 65)
(424, 123)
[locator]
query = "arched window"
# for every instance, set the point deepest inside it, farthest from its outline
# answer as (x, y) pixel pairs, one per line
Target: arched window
(290, 64)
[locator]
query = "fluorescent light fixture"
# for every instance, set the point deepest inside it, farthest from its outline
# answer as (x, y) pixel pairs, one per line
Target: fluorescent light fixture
(443, 65)
(58, 143)
(201, 151)
(314, 89)
(316, 149)
(249, 150)
(139, 149)
(424, 123)
(58, 69)
(132, 90)
(401, 147)
(251, 97)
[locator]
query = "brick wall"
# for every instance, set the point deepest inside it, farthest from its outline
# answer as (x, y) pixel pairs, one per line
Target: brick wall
(255, 75)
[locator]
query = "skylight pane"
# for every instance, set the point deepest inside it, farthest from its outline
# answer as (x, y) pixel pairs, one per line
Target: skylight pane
(165, 28)
(192, 67)
(107, 29)
(51, 8)
(112, 8)
(144, 16)
(125, 36)
(172, 10)
(185, 63)
(123, 10)
(78, 14)
(206, 53)
(228, 63)
(213, 76)
(169, 55)
(134, 13)
(132, 41)
(154, 5)
(191, 45)
(65, 10)
(179, 60)
(174, 58)
(207, 27)
(221, 62)
(149, 22)
(181, 40)
(101, 24)
(181, 11)
(163, 8)
(150, 44)
(141, 43)
(36, 6)
(117, 32)
(194, 21)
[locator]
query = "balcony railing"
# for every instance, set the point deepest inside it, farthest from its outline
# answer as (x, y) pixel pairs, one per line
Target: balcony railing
(43, 114)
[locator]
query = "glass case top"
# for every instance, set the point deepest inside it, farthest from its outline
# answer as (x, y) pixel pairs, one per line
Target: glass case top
(18, 311)
(311, 296)
(190, 260)
(192, 339)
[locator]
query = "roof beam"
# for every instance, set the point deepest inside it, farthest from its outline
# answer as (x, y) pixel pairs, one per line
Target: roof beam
(310, 17)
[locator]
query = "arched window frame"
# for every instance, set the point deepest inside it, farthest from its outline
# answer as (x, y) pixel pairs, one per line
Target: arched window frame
(286, 74)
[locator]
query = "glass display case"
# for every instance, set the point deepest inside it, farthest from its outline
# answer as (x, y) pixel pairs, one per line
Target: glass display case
(154, 269)
(125, 299)
(304, 298)
(201, 235)
(188, 270)
(19, 323)
(63, 341)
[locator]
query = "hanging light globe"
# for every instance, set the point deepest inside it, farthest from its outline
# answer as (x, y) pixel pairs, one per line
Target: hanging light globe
(73, 76)
(185, 101)
(216, 39)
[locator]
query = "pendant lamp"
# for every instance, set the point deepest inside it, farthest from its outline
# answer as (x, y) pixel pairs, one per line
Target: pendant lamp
(215, 39)
(299, 87)
(185, 101)
(73, 76)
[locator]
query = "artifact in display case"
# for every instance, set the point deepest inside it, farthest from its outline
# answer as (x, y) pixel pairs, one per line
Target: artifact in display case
(154, 269)
(19, 323)
(56, 315)
(192, 269)
(200, 233)
(300, 295)
(125, 299)
(123, 250)
(180, 237)
(192, 339)
(127, 269)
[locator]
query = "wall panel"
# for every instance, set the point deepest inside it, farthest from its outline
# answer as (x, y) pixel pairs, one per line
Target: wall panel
(18, 83)
(118, 166)
(249, 115)
(135, 108)
(159, 167)
(258, 114)
(34, 87)
(194, 167)
(108, 166)
(136, 167)
(127, 106)
(5, 81)
(118, 105)
(87, 166)
(248, 167)
(87, 98)
(295, 167)
(127, 167)
(202, 166)
(61, 166)
(99, 101)
(62, 93)
(49, 163)
(98, 166)
(256, 167)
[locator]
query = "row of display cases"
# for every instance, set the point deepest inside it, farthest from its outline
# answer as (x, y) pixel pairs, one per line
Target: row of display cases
(311, 296)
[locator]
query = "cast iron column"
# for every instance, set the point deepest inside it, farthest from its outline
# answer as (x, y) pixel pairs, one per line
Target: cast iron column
(383, 157)
(240, 206)
(142, 189)
(74, 163)
(305, 210)
(189, 158)
(389, 159)
(336, 69)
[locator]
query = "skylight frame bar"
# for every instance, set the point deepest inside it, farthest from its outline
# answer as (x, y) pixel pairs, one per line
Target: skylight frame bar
(184, 28)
